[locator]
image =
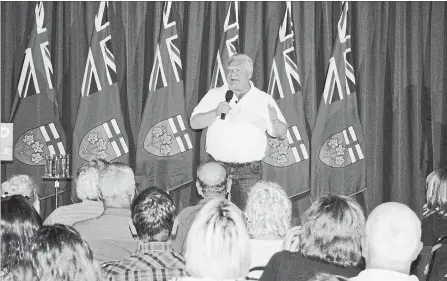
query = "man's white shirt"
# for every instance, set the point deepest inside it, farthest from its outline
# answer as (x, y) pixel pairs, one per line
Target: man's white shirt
(241, 137)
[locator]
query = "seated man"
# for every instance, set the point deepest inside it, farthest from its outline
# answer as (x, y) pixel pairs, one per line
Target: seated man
(211, 183)
(392, 241)
(22, 185)
(153, 214)
(109, 235)
(87, 192)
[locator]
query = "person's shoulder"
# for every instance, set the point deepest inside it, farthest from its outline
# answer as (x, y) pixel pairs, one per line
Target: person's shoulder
(217, 90)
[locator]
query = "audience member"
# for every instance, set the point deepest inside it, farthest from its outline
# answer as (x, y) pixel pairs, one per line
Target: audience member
(87, 191)
(59, 253)
(18, 225)
(109, 235)
(217, 245)
(211, 183)
(268, 213)
(434, 218)
(328, 277)
(392, 241)
(329, 242)
(153, 213)
(23, 185)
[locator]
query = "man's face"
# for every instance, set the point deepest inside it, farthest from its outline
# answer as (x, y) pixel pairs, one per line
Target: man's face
(238, 76)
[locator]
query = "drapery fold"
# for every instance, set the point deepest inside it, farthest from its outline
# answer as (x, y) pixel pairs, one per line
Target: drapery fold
(399, 51)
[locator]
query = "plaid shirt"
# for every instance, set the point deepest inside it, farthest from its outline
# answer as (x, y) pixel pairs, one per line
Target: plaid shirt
(153, 261)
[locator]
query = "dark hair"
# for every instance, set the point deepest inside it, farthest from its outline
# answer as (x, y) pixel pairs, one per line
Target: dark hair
(153, 212)
(19, 224)
(59, 253)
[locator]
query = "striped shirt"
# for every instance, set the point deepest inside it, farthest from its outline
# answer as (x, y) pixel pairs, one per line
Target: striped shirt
(153, 261)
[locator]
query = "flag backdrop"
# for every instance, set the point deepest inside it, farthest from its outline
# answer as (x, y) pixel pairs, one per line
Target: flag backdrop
(99, 131)
(287, 161)
(229, 45)
(337, 157)
(164, 149)
(37, 128)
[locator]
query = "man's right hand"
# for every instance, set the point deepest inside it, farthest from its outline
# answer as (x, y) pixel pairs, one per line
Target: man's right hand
(223, 107)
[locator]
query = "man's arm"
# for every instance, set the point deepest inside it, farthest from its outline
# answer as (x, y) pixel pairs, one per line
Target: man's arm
(279, 128)
(203, 120)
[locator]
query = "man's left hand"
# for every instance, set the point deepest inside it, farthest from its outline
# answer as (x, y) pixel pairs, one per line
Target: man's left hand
(279, 128)
(272, 113)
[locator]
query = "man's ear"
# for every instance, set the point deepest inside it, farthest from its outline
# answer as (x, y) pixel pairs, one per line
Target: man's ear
(417, 250)
(199, 188)
(364, 246)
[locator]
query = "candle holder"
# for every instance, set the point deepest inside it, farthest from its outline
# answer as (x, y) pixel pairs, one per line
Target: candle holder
(57, 167)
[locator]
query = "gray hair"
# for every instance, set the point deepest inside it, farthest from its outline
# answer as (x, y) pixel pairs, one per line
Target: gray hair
(244, 58)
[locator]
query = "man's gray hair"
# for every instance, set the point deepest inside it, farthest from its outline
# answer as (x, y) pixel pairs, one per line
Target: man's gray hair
(117, 181)
(245, 58)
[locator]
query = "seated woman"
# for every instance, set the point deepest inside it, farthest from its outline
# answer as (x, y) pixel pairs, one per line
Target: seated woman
(217, 245)
(328, 242)
(59, 253)
(23, 185)
(18, 225)
(434, 225)
(87, 191)
(268, 213)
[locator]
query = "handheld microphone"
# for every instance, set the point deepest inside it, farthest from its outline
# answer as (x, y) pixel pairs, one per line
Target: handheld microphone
(228, 97)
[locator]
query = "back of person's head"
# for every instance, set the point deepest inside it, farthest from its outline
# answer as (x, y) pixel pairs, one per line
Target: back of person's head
(436, 191)
(212, 180)
(332, 229)
(24, 185)
(327, 277)
(59, 253)
(268, 210)
(392, 236)
(217, 246)
(117, 182)
(18, 225)
(153, 213)
(88, 178)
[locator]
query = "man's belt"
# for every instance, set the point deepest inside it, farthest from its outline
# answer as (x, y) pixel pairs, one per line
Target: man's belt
(234, 165)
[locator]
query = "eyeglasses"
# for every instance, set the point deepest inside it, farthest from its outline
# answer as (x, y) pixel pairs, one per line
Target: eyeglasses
(235, 70)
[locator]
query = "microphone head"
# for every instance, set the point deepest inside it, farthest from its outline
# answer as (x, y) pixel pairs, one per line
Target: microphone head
(228, 95)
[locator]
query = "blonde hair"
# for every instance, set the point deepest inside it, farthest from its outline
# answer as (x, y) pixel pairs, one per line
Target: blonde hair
(217, 245)
(436, 190)
(245, 58)
(117, 181)
(268, 210)
(23, 185)
(332, 229)
(88, 178)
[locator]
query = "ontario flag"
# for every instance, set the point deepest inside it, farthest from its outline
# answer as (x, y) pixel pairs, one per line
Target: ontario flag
(287, 161)
(164, 147)
(229, 45)
(37, 128)
(338, 161)
(99, 131)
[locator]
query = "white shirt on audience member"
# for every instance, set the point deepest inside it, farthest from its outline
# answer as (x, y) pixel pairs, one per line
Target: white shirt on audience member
(383, 274)
(241, 137)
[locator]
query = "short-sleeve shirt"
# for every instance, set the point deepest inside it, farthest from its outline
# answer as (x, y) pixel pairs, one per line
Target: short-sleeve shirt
(241, 137)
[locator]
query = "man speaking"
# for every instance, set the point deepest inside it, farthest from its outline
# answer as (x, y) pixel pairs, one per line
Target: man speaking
(238, 115)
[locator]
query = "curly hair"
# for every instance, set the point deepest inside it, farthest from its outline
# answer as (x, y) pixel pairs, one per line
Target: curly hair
(88, 178)
(436, 190)
(217, 246)
(59, 253)
(18, 226)
(153, 212)
(24, 185)
(332, 229)
(327, 277)
(268, 210)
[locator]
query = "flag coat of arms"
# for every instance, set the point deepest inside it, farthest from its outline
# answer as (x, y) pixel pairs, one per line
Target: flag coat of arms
(164, 146)
(338, 160)
(287, 161)
(229, 45)
(35, 115)
(99, 131)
